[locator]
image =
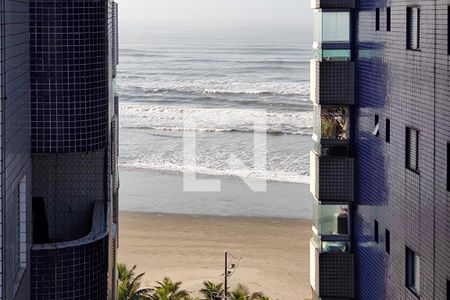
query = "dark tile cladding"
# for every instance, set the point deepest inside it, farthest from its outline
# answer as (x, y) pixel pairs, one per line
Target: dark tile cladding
(411, 88)
(78, 272)
(69, 75)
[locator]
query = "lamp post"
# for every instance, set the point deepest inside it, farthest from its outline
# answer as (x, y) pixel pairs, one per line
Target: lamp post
(230, 268)
(225, 290)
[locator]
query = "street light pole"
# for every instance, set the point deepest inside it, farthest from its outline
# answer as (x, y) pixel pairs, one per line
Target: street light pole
(225, 291)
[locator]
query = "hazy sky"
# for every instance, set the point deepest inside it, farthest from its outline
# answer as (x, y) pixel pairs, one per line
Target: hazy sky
(214, 13)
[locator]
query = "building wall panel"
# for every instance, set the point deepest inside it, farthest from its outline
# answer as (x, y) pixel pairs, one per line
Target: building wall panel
(411, 89)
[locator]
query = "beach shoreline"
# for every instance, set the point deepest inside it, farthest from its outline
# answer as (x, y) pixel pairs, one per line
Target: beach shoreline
(145, 190)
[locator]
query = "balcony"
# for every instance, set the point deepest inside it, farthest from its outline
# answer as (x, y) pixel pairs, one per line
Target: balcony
(332, 124)
(333, 81)
(318, 4)
(331, 221)
(55, 267)
(332, 178)
(332, 274)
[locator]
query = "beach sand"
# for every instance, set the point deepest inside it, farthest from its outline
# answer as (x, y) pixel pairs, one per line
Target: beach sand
(275, 252)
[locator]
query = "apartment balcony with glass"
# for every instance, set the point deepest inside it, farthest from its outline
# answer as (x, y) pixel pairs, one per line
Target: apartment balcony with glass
(331, 134)
(332, 260)
(332, 71)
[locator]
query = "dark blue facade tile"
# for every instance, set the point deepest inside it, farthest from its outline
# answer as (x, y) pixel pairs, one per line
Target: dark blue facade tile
(411, 89)
(69, 75)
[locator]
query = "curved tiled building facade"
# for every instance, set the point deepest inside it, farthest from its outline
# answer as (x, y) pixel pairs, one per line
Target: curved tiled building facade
(59, 141)
(69, 75)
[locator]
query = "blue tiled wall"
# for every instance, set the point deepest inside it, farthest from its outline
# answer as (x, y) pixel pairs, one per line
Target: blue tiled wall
(411, 88)
(69, 75)
(74, 272)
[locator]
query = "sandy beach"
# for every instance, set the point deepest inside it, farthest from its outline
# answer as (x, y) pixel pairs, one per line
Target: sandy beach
(275, 252)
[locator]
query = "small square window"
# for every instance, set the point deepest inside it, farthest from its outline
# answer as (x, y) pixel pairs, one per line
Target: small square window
(388, 131)
(412, 149)
(387, 240)
(413, 28)
(376, 128)
(388, 19)
(377, 19)
(375, 231)
(412, 272)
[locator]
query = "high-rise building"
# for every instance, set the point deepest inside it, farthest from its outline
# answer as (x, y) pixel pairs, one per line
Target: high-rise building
(58, 146)
(380, 163)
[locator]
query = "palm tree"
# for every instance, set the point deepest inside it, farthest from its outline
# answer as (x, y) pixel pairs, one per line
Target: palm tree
(241, 292)
(169, 290)
(211, 290)
(130, 285)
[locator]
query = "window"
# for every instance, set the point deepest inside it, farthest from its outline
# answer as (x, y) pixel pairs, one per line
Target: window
(331, 219)
(377, 19)
(448, 166)
(413, 28)
(388, 19)
(412, 149)
(448, 289)
(388, 131)
(332, 27)
(387, 242)
(376, 128)
(412, 271)
(375, 231)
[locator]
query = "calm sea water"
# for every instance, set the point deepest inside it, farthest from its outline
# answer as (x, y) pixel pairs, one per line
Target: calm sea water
(225, 80)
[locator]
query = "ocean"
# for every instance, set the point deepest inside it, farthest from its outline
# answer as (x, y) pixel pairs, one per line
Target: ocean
(226, 81)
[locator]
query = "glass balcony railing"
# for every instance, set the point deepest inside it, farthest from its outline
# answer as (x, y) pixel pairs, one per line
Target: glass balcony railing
(325, 246)
(335, 247)
(332, 54)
